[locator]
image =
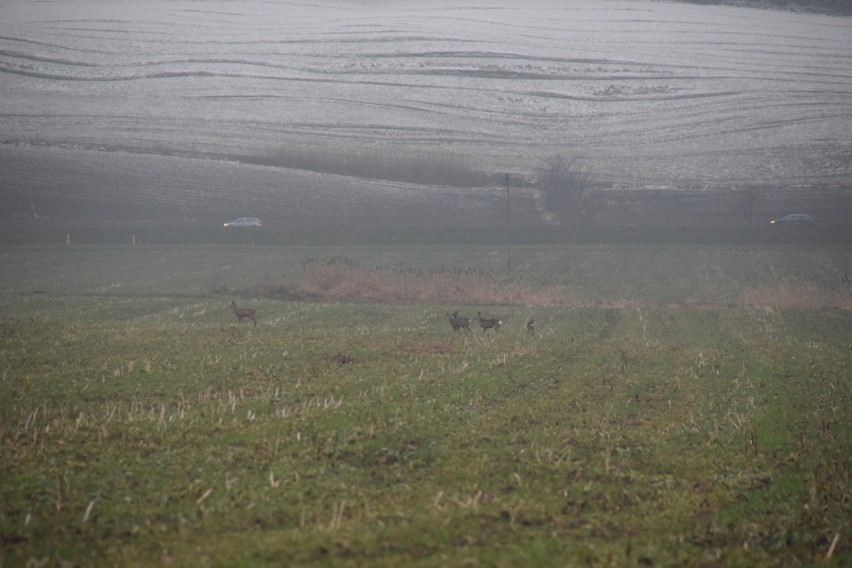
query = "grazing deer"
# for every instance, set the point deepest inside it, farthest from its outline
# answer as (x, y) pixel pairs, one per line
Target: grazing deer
(459, 322)
(243, 313)
(531, 325)
(488, 323)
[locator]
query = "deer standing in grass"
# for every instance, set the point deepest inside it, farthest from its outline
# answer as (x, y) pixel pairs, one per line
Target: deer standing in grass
(488, 323)
(243, 313)
(459, 322)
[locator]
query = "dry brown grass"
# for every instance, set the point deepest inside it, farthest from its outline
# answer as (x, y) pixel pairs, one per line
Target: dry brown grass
(799, 297)
(341, 279)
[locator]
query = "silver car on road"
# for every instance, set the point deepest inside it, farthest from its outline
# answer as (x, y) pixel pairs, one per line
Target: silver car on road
(244, 222)
(800, 218)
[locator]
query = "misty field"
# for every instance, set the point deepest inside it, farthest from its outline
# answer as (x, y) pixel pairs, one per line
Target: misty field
(409, 113)
(140, 424)
(605, 170)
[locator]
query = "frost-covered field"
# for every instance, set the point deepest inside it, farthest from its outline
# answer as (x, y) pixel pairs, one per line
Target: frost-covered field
(643, 93)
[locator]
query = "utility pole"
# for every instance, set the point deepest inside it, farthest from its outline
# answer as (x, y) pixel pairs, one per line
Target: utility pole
(508, 227)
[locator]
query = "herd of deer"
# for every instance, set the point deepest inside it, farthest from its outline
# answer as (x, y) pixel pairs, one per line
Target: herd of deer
(458, 322)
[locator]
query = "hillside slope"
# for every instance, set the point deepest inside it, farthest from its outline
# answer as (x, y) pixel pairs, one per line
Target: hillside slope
(107, 106)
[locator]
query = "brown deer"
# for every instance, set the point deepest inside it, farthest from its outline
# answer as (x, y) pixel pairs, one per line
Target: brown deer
(488, 323)
(459, 322)
(243, 313)
(531, 325)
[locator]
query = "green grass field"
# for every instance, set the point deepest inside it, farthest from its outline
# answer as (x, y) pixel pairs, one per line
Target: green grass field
(140, 424)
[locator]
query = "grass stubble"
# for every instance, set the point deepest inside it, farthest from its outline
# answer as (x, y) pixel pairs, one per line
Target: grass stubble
(157, 431)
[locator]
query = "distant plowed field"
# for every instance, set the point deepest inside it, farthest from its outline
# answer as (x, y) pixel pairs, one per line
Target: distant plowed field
(407, 111)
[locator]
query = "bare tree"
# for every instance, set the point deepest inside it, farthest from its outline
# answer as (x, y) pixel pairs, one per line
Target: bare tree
(748, 199)
(564, 187)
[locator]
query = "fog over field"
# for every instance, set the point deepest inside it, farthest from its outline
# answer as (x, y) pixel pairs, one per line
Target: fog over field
(517, 298)
(376, 112)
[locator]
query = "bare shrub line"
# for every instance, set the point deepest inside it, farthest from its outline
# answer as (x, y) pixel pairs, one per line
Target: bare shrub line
(797, 297)
(341, 279)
